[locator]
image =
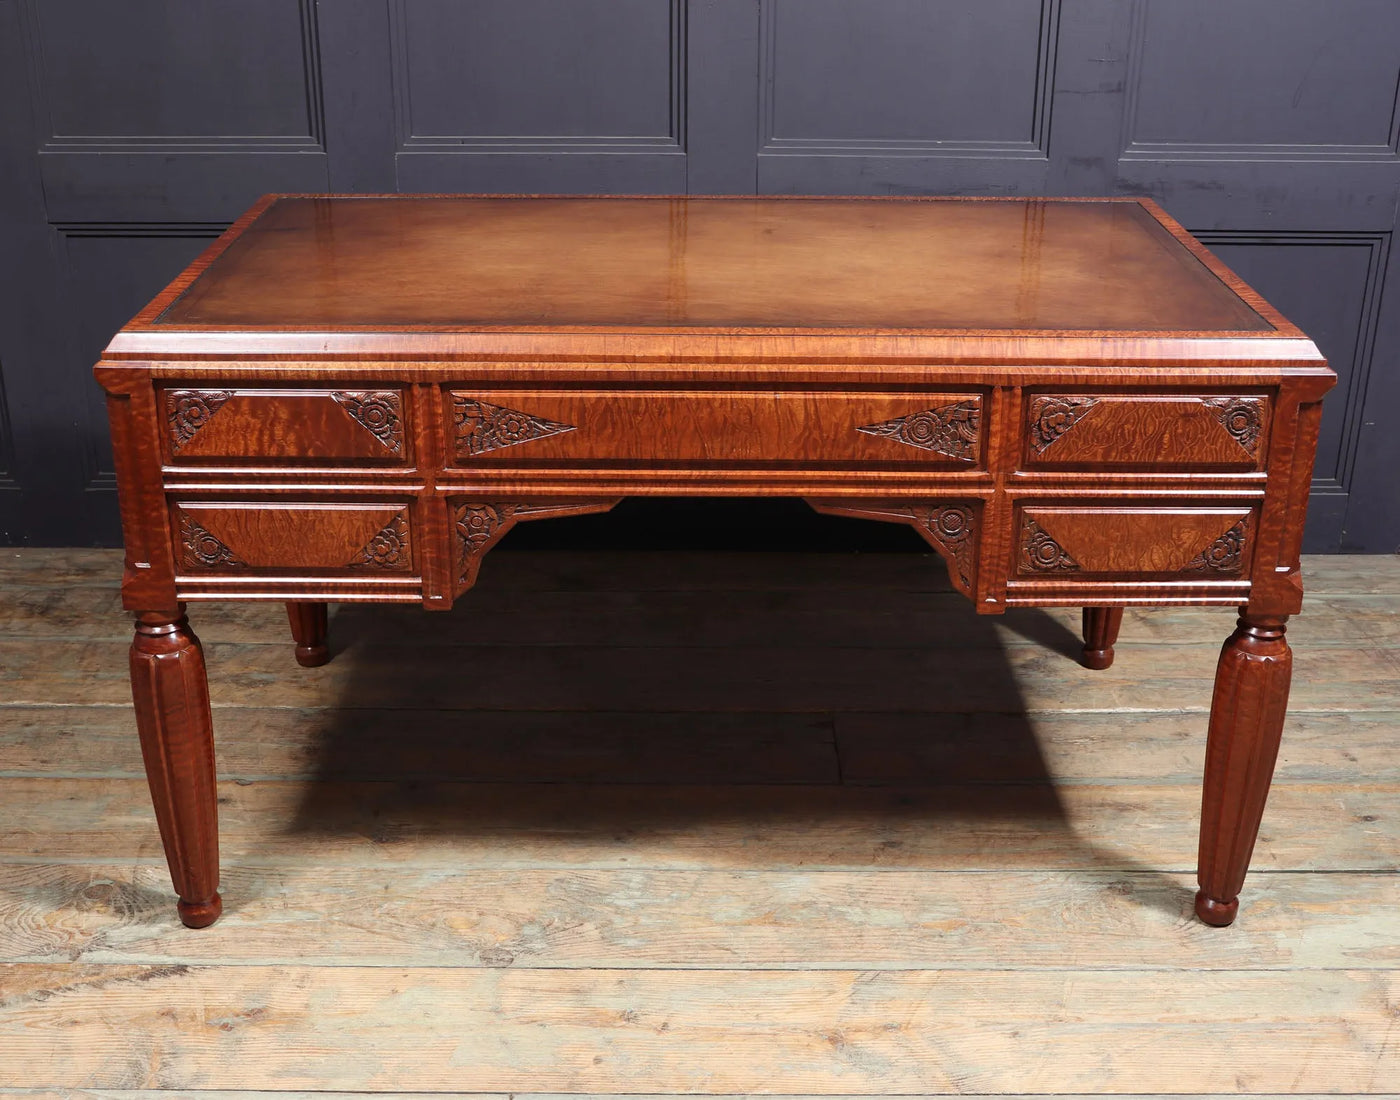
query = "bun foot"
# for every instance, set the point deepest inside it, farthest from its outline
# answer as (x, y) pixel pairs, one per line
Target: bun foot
(1098, 659)
(1216, 913)
(200, 914)
(312, 656)
(309, 630)
(1100, 632)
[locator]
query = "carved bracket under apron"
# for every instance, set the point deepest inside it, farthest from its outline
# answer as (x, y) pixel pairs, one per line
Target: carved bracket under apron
(477, 525)
(953, 529)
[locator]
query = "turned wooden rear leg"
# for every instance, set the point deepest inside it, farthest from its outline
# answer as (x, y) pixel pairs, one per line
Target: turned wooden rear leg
(171, 694)
(1100, 632)
(309, 629)
(1246, 722)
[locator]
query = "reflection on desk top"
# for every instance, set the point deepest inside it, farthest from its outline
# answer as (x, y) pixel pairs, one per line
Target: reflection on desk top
(459, 262)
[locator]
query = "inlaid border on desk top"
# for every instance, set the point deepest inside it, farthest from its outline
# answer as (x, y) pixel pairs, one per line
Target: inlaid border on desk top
(145, 336)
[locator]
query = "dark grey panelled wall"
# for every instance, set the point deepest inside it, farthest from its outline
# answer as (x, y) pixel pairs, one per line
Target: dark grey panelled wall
(131, 133)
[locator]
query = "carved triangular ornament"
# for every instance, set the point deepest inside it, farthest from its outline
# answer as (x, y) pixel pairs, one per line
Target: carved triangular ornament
(1051, 417)
(186, 411)
(482, 427)
(388, 547)
(950, 430)
(379, 412)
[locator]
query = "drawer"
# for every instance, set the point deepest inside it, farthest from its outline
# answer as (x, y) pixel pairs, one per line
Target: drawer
(253, 425)
(708, 428)
(1071, 541)
(240, 538)
(1145, 431)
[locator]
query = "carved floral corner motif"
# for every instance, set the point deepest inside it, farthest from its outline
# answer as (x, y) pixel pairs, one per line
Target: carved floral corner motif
(477, 528)
(1039, 551)
(482, 427)
(1225, 555)
(387, 548)
(954, 528)
(1242, 417)
(199, 547)
(952, 430)
(1051, 417)
(379, 412)
(186, 411)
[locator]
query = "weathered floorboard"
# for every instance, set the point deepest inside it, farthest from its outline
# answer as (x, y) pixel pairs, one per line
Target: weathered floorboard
(934, 1031)
(639, 919)
(1325, 827)
(298, 743)
(638, 868)
(708, 679)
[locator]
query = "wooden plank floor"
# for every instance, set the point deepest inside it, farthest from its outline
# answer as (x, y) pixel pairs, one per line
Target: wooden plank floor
(653, 824)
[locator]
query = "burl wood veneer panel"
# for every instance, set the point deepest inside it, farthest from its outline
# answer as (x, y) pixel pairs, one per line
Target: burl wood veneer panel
(238, 538)
(244, 425)
(707, 427)
(1070, 541)
(1149, 430)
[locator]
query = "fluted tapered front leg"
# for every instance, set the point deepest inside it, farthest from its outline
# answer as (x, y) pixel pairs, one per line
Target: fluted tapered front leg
(1100, 632)
(171, 693)
(309, 631)
(1246, 723)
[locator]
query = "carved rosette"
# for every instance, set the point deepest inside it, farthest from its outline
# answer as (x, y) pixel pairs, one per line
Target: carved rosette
(1051, 417)
(1242, 417)
(200, 548)
(387, 548)
(951, 529)
(952, 430)
(186, 411)
(1042, 553)
(478, 526)
(482, 427)
(954, 528)
(1225, 555)
(379, 412)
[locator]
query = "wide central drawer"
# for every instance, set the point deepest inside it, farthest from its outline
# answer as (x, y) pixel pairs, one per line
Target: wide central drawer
(711, 428)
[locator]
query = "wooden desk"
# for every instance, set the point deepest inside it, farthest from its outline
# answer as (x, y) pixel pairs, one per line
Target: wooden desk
(1073, 402)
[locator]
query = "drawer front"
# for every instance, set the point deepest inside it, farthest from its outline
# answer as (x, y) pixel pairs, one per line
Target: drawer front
(711, 429)
(269, 538)
(251, 425)
(1074, 541)
(1145, 431)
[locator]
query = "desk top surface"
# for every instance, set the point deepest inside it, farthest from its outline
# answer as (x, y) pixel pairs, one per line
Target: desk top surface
(943, 265)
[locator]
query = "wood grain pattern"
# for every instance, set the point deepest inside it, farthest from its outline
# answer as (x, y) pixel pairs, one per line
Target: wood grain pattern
(587, 427)
(248, 424)
(928, 826)
(1156, 431)
(318, 537)
(1134, 541)
(374, 914)
(689, 1031)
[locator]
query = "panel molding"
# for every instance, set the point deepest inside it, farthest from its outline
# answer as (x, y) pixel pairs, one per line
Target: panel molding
(1037, 148)
(312, 141)
(93, 476)
(8, 482)
(1132, 149)
(409, 141)
(1368, 324)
